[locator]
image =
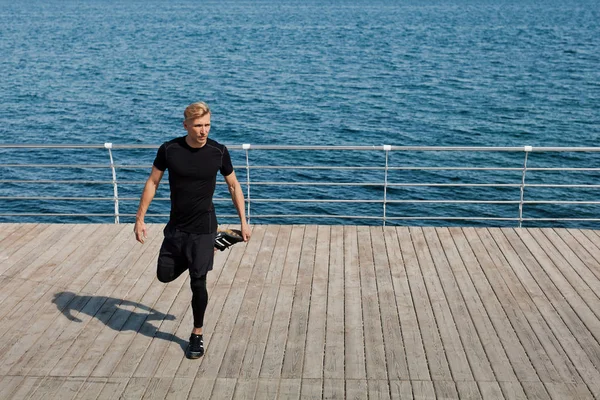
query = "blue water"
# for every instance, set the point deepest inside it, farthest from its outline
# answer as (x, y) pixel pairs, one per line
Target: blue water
(472, 73)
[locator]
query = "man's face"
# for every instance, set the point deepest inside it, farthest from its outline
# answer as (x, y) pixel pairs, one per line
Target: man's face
(197, 129)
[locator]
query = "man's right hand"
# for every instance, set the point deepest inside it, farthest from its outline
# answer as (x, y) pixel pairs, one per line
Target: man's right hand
(140, 231)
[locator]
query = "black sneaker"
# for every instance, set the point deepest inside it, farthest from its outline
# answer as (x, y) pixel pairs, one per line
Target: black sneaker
(195, 348)
(227, 238)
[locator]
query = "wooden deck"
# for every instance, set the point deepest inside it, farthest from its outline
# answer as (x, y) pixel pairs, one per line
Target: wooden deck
(304, 312)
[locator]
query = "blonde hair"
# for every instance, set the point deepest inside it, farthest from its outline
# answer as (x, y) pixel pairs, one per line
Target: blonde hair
(196, 110)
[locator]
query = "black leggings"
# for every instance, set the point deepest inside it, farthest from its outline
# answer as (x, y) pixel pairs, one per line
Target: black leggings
(199, 299)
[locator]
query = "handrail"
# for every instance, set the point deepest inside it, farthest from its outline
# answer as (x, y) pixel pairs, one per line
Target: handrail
(120, 177)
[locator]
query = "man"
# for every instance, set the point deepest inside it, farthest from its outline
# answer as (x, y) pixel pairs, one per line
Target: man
(193, 162)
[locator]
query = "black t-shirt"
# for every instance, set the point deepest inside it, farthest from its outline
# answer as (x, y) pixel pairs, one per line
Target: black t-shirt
(193, 177)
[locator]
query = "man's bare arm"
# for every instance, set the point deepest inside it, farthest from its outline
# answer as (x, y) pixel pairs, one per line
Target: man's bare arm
(237, 196)
(147, 195)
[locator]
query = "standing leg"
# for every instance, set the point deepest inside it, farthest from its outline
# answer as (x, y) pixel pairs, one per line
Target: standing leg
(199, 302)
(200, 253)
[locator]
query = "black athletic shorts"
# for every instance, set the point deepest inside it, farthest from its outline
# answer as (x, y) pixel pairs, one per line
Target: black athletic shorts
(183, 250)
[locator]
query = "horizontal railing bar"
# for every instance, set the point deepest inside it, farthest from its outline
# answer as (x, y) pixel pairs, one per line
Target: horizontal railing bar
(306, 167)
(89, 198)
(560, 202)
(71, 181)
(255, 200)
(430, 218)
(324, 147)
(275, 183)
(55, 165)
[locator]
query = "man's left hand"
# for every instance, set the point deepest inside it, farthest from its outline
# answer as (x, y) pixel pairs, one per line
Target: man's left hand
(246, 232)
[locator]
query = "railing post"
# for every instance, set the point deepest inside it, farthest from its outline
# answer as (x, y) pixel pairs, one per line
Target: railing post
(386, 148)
(527, 149)
(108, 146)
(246, 146)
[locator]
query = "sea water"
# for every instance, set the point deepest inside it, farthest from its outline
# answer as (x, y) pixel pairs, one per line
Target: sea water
(403, 73)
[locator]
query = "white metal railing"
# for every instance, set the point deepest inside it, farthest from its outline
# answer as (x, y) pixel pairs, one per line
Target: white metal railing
(251, 168)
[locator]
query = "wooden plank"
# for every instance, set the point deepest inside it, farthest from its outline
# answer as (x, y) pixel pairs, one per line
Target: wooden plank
(135, 389)
(378, 389)
(68, 331)
(589, 242)
(164, 334)
(587, 252)
(267, 389)
(140, 342)
(113, 388)
(289, 389)
(561, 391)
(477, 261)
(312, 389)
(401, 390)
(179, 389)
(41, 296)
(481, 321)
(354, 347)
(374, 349)
(315, 337)
(292, 259)
(145, 290)
(91, 388)
(255, 348)
(575, 313)
(555, 335)
(478, 363)
(233, 357)
(275, 273)
(21, 296)
(245, 389)
(157, 388)
(70, 388)
(395, 352)
(27, 335)
(512, 391)
(357, 389)
(334, 335)
(118, 340)
(48, 388)
(7, 229)
(490, 391)
(470, 391)
(571, 267)
(28, 386)
(105, 315)
(333, 389)
(423, 390)
(293, 360)
(535, 391)
(224, 388)
(416, 360)
(276, 343)
(17, 239)
(445, 390)
(202, 389)
(8, 384)
(434, 349)
(175, 352)
(426, 243)
(34, 243)
(518, 305)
